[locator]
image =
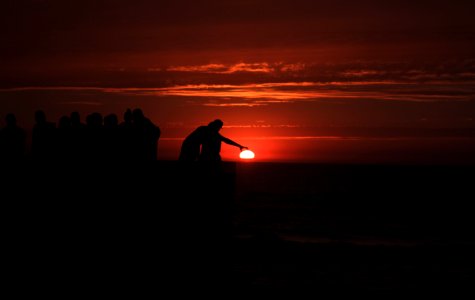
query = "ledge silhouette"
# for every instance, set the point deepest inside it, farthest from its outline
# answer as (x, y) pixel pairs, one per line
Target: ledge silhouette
(114, 224)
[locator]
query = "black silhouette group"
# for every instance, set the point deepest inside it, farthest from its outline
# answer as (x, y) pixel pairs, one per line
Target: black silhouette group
(104, 138)
(101, 138)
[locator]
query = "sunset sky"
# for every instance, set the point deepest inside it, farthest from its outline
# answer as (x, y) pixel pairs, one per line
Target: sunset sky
(300, 80)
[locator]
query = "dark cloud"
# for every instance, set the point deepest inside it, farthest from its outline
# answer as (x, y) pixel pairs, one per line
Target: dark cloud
(128, 32)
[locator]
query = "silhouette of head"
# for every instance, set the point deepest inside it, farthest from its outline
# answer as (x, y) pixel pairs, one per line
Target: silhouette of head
(40, 117)
(128, 115)
(75, 118)
(94, 120)
(64, 122)
(216, 125)
(111, 121)
(10, 119)
(138, 115)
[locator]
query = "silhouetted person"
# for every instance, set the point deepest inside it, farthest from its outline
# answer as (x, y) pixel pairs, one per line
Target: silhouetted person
(78, 136)
(43, 138)
(191, 146)
(111, 137)
(64, 138)
(126, 133)
(75, 118)
(211, 146)
(12, 140)
(146, 135)
(94, 146)
(209, 138)
(111, 121)
(128, 118)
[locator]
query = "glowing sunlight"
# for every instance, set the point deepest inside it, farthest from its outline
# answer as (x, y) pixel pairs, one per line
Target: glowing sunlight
(247, 154)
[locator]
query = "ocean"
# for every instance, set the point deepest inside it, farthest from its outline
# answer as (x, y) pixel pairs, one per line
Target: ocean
(162, 226)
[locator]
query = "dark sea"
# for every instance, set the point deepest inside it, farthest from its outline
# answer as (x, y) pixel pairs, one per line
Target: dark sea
(338, 228)
(345, 228)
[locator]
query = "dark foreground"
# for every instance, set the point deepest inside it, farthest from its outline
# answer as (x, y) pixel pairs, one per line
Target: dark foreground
(171, 228)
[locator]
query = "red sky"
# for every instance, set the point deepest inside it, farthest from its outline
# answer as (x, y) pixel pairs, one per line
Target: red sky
(367, 76)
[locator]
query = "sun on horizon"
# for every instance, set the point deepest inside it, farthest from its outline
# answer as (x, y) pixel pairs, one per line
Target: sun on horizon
(247, 155)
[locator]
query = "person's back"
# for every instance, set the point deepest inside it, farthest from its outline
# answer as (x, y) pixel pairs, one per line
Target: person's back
(111, 138)
(190, 148)
(146, 135)
(44, 137)
(126, 137)
(63, 139)
(12, 140)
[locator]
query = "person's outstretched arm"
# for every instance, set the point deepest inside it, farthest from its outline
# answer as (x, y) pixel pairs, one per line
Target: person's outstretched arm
(233, 143)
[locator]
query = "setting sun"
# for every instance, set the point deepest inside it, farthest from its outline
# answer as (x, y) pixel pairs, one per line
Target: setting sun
(247, 154)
